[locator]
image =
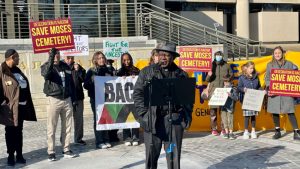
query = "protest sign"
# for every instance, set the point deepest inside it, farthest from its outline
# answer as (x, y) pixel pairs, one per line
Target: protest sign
(113, 49)
(114, 103)
(253, 99)
(285, 82)
(195, 58)
(81, 47)
(51, 33)
(219, 97)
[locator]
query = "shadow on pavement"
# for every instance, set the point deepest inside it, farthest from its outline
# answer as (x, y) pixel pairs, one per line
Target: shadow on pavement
(258, 158)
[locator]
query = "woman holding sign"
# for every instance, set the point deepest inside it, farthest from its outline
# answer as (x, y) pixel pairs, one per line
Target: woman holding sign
(130, 136)
(249, 80)
(281, 104)
(99, 69)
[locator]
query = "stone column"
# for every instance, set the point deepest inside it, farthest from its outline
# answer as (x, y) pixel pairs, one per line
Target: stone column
(242, 18)
(10, 21)
(123, 16)
(34, 9)
(57, 8)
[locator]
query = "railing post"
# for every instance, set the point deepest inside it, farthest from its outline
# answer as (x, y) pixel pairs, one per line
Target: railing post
(150, 22)
(178, 35)
(135, 18)
(169, 27)
(106, 19)
(99, 19)
(204, 36)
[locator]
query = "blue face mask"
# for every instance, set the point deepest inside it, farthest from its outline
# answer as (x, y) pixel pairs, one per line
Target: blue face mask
(219, 58)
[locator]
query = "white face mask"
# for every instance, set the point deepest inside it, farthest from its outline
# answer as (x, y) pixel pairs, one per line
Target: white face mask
(219, 58)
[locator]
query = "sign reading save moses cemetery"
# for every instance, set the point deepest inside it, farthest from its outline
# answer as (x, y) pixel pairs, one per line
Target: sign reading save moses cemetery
(114, 103)
(285, 82)
(48, 34)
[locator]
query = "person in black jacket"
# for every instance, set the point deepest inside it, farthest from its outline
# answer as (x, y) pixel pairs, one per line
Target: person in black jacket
(130, 136)
(59, 87)
(157, 133)
(99, 69)
(78, 74)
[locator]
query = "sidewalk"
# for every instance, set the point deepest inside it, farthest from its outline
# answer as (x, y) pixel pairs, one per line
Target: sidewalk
(200, 150)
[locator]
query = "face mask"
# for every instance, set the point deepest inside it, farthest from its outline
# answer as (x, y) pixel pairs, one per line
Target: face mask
(219, 58)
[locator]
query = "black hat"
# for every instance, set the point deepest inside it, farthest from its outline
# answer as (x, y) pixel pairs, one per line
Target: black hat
(110, 61)
(10, 52)
(168, 47)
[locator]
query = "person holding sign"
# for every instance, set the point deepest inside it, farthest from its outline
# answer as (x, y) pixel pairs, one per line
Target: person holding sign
(99, 69)
(130, 136)
(59, 87)
(228, 109)
(281, 104)
(156, 132)
(220, 68)
(249, 80)
(16, 106)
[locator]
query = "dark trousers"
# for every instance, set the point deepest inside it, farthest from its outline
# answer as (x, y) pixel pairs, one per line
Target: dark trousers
(131, 135)
(161, 136)
(14, 138)
(292, 118)
(100, 136)
(213, 119)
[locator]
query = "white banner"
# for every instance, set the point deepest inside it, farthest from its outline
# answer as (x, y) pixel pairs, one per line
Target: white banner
(115, 48)
(81, 47)
(219, 97)
(114, 103)
(253, 99)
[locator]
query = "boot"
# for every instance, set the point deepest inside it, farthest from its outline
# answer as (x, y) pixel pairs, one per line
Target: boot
(296, 135)
(277, 134)
(11, 160)
(20, 159)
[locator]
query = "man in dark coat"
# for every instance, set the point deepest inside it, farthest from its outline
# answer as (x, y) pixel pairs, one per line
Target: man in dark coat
(157, 133)
(16, 105)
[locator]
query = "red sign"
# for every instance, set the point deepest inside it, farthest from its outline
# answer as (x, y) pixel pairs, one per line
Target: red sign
(51, 33)
(195, 58)
(285, 82)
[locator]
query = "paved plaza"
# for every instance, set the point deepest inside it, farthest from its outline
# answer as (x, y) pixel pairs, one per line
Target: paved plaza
(200, 150)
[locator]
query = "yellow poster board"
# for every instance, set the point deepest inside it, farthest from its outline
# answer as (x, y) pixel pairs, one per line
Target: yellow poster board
(201, 116)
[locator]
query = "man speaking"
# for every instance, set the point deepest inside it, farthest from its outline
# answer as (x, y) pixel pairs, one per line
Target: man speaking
(155, 119)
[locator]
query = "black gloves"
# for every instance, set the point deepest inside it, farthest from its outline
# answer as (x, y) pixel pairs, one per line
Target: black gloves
(52, 53)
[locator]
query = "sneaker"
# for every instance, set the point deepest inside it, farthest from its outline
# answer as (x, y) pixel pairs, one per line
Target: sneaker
(108, 145)
(127, 143)
(11, 160)
(296, 135)
(277, 134)
(246, 135)
(253, 135)
(223, 132)
(20, 160)
(69, 154)
(81, 142)
(101, 146)
(226, 136)
(231, 136)
(135, 143)
(215, 133)
(51, 157)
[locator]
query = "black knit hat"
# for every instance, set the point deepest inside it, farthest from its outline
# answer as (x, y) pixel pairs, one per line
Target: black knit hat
(10, 52)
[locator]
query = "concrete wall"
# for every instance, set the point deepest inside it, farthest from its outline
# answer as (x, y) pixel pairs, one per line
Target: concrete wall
(275, 26)
(207, 18)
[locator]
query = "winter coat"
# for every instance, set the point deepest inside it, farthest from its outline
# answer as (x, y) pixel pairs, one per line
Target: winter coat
(144, 112)
(249, 83)
(9, 98)
(89, 78)
(279, 104)
(128, 71)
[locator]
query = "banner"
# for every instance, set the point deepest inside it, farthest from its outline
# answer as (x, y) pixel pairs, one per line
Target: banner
(193, 58)
(113, 49)
(81, 47)
(114, 103)
(48, 34)
(285, 82)
(253, 99)
(201, 114)
(219, 97)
